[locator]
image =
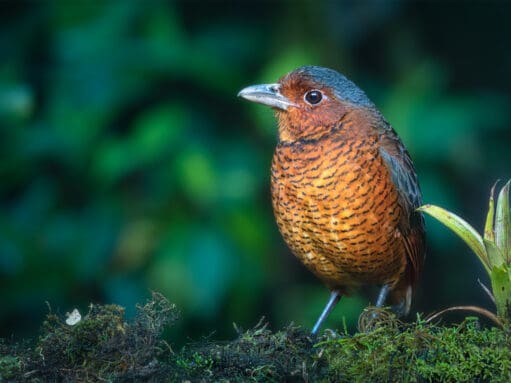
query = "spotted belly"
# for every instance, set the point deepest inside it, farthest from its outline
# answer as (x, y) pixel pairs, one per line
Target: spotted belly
(338, 211)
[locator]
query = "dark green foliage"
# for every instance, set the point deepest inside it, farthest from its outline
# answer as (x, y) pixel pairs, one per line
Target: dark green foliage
(103, 347)
(128, 163)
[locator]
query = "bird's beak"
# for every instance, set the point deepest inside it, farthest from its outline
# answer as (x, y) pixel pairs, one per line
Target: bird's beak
(266, 94)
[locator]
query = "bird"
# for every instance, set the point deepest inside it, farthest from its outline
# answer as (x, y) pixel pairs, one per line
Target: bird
(344, 188)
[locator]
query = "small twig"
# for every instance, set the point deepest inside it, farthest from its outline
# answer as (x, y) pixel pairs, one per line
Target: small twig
(476, 309)
(262, 323)
(29, 373)
(169, 347)
(487, 291)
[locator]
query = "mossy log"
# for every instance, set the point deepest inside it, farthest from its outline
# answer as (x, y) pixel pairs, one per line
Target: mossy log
(102, 346)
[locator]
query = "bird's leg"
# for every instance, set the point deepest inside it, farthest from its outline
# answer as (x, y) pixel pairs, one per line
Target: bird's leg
(382, 296)
(334, 298)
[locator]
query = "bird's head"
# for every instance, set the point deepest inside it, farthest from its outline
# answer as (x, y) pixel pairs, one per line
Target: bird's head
(309, 102)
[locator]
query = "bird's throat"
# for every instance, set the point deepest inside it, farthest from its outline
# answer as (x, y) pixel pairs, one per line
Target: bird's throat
(290, 132)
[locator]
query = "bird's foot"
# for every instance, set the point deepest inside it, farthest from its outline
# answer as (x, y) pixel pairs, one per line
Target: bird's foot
(373, 317)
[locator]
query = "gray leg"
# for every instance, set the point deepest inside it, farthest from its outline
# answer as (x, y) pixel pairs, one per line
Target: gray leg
(382, 297)
(334, 298)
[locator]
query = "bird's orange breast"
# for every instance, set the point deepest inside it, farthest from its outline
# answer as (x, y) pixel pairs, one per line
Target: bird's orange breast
(338, 210)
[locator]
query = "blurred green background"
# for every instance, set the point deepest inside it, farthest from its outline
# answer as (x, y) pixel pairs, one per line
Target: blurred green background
(128, 164)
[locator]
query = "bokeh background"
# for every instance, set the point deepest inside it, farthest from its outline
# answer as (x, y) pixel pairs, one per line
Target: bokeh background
(128, 164)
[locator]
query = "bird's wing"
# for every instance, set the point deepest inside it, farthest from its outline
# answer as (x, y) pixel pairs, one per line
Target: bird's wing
(403, 175)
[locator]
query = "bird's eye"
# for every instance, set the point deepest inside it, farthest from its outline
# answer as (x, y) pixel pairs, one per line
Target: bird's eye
(313, 97)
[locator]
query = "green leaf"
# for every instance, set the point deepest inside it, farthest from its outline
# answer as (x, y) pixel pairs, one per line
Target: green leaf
(502, 223)
(501, 286)
(495, 256)
(489, 234)
(461, 228)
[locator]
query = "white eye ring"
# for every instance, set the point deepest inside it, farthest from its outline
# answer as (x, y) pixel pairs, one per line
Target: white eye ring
(313, 97)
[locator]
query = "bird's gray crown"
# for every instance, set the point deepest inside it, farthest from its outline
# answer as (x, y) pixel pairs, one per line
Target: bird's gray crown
(343, 88)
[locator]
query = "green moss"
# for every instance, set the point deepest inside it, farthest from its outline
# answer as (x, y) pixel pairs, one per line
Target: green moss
(104, 347)
(10, 367)
(387, 351)
(257, 355)
(100, 347)
(420, 352)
